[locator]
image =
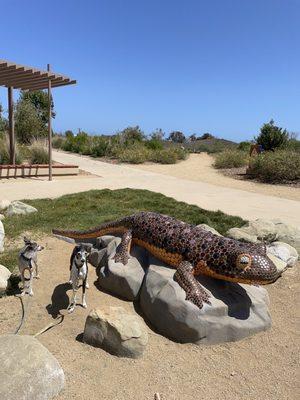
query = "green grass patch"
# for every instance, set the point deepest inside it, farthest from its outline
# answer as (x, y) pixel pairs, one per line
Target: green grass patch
(88, 209)
(9, 259)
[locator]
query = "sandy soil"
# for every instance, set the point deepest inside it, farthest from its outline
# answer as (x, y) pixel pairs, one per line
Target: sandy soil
(261, 367)
(198, 167)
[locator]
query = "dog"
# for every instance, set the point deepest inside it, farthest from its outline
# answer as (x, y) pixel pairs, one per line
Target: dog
(79, 271)
(27, 262)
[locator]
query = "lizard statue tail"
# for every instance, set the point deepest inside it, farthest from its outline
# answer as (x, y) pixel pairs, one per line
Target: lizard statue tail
(90, 235)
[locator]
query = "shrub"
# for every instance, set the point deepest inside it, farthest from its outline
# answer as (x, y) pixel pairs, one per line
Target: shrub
(276, 167)
(272, 137)
(132, 134)
(294, 145)
(230, 159)
(154, 144)
(99, 146)
(137, 154)
(27, 123)
(166, 156)
(57, 142)
(4, 153)
(244, 146)
(38, 155)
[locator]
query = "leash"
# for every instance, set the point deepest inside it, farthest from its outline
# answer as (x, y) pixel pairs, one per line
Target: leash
(24, 313)
(58, 320)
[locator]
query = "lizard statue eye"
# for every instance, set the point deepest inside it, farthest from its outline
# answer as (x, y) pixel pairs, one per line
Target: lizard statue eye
(244, 261)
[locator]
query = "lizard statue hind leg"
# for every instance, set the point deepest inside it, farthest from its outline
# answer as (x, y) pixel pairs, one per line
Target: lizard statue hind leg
(195, 293)
(123, 253)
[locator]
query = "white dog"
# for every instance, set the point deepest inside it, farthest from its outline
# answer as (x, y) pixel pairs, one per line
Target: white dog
(27, 262)
(79, 271)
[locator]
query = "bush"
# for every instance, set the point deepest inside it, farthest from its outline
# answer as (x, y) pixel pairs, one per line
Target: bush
(132, 134)
(57, 142)
(231, 159)
(137, 154)
(154, 144)
(38, 155)
(245, 146)
(177, 137)
(99, 146)
(4, 153)
(272, 137)
(28, 125)
(166, 156)
(276, 167)
(294, 145)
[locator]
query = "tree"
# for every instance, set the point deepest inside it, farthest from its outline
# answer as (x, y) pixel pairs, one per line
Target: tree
(272, 137)
(28, 124)
(206, 136)
(158, 134)
(193, 137)
(39, 100)
(177, 137)
(132, 134)
(3, 122)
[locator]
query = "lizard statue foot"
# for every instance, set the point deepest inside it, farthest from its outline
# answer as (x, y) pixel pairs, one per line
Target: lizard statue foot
(195, 293)
(122, 254)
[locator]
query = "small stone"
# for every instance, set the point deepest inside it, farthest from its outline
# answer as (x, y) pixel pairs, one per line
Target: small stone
(4, 204)
(233, 373)
(19, 208)
(116, 331)
(284, 252)
(4, 279)
(209, 229)
(2, 236)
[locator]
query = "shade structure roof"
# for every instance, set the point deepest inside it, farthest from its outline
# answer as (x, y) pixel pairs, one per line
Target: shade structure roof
(29, 78)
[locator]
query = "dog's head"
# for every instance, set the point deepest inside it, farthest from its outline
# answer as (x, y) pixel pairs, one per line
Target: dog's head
(81, 253)
(32, 246)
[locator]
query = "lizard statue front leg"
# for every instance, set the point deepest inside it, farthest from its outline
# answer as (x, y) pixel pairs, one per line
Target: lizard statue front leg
(194, 291)
(123, 253)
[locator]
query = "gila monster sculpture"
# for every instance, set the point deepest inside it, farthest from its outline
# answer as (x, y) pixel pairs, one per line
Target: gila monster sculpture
(188, 248)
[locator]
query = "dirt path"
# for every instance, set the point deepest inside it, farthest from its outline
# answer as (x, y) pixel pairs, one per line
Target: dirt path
(246, 204)
(261, 367)
(198, 167)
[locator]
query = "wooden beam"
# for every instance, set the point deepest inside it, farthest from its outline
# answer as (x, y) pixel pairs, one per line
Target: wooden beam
(54, 85)
(42, 82)
(12, 152)
(49, 125)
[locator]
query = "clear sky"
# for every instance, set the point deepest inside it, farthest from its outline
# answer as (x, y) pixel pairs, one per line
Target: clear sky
(219, 66)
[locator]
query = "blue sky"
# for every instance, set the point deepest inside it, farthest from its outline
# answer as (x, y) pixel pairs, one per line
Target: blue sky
(219, 66)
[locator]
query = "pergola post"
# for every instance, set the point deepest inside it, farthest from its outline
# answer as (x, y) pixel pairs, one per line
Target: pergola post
(49, 126)
(12, 151)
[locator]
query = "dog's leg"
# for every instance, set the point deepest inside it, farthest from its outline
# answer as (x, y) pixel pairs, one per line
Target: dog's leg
(30, 291)
(36, 270)
(84, 305)
(72, 305)
(23, 283)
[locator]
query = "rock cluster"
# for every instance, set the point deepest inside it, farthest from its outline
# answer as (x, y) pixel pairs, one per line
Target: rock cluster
(268, 231)
(28, 370)
(237, 311)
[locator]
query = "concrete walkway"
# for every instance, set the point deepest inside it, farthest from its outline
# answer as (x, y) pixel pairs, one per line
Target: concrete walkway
(231, 201)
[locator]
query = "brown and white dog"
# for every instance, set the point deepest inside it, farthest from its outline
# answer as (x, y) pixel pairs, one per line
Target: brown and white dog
(79, 272)
(27, 262)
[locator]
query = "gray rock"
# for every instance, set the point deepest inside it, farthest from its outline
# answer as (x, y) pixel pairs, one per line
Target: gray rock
(19, 208)
(268, 231)
(4, 279)
(284, 252)
(239, 234)
(237, 311)
(124, 281)
(209, 229)
(28, 370)
(4, 204)
(116, 331)
(2, 236)
(96, 257)
(2, 217)
(279, 264)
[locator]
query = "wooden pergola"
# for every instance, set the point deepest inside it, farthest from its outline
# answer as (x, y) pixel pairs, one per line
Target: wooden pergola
(16, 76)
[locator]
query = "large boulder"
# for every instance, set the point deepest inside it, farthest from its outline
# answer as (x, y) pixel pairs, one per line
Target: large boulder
(2, 236)
(28, 370)
(4, 204)
(19, 208)
(236, 311)
(4, 279)
(268, 231)
(124, 281)
(116, 331)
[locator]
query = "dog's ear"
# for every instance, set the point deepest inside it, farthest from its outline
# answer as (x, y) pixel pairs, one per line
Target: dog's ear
(26, 240)
(88, 247)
